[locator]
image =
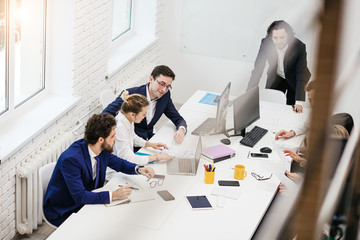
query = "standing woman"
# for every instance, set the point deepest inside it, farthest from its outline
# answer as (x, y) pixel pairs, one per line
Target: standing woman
(134, 110)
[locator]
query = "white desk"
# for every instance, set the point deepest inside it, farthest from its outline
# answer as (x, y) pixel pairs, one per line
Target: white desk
(157, 219)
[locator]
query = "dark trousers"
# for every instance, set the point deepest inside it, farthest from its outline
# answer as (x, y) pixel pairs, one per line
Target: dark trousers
(282, 85)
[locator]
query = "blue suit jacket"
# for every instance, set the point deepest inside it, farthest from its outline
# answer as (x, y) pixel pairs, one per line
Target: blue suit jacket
(71, 183)
(163, 105)
(295, 66)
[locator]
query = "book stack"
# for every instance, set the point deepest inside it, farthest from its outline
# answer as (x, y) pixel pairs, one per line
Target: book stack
(218, 153)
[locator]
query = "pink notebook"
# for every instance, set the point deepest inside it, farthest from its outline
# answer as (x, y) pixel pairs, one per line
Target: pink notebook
(218, 151)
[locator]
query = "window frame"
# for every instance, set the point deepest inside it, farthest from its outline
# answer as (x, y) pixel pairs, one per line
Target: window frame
(130, 27)
(11, 108)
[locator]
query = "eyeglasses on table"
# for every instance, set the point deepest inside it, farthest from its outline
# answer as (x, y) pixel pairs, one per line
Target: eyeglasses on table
(157, 180)
(259, 177)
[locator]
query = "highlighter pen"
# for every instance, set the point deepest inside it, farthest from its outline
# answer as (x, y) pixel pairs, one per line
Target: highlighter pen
(133, 188)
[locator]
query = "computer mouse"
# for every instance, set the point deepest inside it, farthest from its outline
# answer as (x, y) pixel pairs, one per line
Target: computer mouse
(265, 150)
(225, 141)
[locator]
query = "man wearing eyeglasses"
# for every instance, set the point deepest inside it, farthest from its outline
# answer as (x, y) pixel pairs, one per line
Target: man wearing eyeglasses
(157, 91)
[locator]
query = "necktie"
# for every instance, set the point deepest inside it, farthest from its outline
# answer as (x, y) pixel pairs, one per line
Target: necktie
(96, 172)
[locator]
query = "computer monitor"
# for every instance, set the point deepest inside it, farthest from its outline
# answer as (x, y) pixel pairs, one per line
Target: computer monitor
(246, 110)
(217, 125)
(221, 112)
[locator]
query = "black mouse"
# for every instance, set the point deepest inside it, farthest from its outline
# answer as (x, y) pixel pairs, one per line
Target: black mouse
(225, 141)
(265, 150)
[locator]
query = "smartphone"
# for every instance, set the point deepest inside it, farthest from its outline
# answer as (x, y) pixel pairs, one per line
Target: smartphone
(166, 195)
(259, 155)
(229, 183)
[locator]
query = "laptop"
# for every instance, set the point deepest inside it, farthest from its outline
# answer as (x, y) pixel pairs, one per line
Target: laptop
(185, 166)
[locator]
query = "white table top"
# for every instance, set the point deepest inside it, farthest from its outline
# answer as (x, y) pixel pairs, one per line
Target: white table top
(158, 219)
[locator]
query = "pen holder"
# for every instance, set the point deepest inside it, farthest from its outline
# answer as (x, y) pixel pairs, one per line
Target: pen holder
(209, 177)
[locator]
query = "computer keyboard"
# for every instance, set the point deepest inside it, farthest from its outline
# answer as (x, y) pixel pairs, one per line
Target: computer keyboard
(253, 136)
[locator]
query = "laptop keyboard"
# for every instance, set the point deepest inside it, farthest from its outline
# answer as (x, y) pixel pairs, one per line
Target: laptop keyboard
(253, 136)
(185, 165)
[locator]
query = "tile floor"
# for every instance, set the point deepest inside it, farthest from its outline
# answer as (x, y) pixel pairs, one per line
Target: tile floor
(41, 233)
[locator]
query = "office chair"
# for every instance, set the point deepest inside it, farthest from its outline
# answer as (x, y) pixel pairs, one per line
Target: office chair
(45, 173)
(106, 97)
(272, 95)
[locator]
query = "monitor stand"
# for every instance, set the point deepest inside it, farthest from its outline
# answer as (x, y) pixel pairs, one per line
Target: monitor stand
(241, 133)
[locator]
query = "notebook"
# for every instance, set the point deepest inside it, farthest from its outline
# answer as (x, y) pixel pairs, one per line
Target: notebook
(185, 166)
(138, 195)
(218, 153)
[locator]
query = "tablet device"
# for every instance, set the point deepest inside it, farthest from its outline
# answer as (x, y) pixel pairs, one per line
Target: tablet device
(199, 202)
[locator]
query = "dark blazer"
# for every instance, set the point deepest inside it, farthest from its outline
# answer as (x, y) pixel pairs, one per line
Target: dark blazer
(71, 183)
(295, 66)
(163, 105)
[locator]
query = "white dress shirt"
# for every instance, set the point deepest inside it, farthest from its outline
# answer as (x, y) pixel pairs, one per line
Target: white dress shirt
(152, 106)
(93, 165)
(280, 66)
(93, 162)
(126, 140)
(302, 128)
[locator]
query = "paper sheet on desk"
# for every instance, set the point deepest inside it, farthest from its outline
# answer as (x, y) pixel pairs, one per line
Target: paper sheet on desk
(177, 152)
(290, 144)
(285, 165)
(136, 195)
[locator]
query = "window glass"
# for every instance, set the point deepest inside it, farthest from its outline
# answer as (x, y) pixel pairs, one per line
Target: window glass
(3, 103)
(29, 49)
(121, 17)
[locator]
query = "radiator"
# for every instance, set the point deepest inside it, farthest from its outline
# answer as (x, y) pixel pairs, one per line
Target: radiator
(28, 195)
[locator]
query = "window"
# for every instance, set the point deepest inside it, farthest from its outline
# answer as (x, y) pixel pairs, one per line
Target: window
(3, 92)
(22, 51)
(121, 17)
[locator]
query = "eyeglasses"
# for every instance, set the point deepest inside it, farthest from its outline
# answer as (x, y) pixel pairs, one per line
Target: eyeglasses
(158, 180)
(260, 178)
(163, 85)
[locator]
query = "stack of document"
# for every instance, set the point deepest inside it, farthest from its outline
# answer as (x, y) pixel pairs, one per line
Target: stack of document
(218, 153)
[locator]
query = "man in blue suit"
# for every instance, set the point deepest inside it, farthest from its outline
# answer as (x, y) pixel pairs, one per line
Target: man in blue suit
(286, 56)
(81, 168)
(158, 94)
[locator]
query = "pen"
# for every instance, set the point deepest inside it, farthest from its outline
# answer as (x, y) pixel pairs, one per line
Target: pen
(293, 106)
(248, 154)
(133, 188)
(206, 168)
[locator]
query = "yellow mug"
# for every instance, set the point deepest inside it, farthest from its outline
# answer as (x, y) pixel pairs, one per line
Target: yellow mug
(209, 177)
(239, 172)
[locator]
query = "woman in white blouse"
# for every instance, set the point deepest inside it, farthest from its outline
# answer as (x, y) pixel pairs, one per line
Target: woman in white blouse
(133, 110)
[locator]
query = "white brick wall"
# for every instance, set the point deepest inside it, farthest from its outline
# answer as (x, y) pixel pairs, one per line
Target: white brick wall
(92, 26)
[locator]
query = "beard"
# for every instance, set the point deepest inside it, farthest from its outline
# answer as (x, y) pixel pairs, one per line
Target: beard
(107, 147)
